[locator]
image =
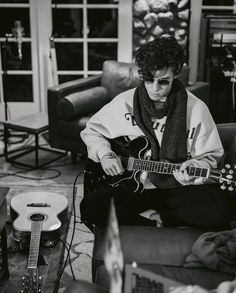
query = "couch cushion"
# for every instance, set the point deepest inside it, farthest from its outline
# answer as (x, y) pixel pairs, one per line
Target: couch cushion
(169, 246)
(82, 103)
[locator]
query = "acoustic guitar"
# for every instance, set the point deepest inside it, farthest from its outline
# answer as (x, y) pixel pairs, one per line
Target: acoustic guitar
(133, 155)
(36, 212)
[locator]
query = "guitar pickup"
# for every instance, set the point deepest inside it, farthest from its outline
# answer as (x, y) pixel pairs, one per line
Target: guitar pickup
(130, 163)
(38, 205)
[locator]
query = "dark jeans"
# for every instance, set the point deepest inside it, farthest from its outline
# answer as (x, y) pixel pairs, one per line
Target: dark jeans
(205, 206)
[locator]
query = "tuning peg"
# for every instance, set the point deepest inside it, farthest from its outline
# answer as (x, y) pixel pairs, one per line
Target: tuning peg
(223, 187)
(227, 166)
(223, 170)
(230, 188)
(231, 171)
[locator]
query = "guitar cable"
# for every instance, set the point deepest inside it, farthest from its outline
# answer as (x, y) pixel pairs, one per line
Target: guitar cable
(17, 174)
(73, 229)
(71, 267)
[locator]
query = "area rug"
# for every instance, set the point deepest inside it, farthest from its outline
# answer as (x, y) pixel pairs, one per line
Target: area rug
(51, 257)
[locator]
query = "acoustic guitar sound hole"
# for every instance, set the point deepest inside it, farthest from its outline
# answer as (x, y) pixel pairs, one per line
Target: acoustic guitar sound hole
(37, 217)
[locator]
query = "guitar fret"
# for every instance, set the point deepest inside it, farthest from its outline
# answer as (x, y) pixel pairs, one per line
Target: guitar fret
(191, 171)
(204, 172)
(197, 172)
(169, 169)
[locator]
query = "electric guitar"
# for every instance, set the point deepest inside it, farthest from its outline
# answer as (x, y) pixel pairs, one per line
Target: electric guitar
(36, 212)
(134, 161)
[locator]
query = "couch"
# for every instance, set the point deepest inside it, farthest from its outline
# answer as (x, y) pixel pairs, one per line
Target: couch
(160, 250)
(71, 104)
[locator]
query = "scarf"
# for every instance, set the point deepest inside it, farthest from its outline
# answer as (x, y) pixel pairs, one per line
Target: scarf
(174, 141)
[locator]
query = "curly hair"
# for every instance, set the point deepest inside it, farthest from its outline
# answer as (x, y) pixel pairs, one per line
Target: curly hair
(157, 54)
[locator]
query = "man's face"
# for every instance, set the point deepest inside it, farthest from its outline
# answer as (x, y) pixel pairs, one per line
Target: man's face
(161, 84)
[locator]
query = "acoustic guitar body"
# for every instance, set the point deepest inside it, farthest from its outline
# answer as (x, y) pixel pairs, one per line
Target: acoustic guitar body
(53, 207)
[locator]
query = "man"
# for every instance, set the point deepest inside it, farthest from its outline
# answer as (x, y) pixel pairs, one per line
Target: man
(180, 129)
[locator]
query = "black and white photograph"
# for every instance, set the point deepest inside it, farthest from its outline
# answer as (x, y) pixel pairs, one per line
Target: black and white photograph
(118, 146)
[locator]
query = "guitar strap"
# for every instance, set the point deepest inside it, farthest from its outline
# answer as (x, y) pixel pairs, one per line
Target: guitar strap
(174, 141)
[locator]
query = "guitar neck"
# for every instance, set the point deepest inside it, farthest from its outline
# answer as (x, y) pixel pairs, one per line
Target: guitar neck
(34, 244)
(161, 167)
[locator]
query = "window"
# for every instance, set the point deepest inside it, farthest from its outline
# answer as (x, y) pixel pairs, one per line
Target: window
(85, 35)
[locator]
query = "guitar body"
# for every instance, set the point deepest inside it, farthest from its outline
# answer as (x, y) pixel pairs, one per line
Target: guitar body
(95, 178)
(51, 206)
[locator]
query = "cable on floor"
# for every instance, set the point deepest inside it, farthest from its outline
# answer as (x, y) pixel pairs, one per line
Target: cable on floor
(73, 229)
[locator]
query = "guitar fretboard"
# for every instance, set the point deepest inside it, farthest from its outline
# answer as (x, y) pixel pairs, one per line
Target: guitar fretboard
(162, 167)
(34, 244)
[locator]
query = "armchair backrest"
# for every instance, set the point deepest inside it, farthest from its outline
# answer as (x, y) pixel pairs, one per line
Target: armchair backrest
(118, 77)
(227, 132)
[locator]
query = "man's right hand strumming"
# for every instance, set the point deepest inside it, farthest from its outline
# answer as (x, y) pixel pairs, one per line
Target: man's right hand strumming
(111, 164)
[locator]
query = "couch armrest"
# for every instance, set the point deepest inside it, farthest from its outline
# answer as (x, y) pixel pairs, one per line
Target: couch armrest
(55, 93)
(82, 103)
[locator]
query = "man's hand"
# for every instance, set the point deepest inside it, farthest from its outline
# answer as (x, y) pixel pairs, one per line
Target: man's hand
(111, 164)
(182, 176)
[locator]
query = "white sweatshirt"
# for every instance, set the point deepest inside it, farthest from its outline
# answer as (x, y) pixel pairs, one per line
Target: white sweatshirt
(116, 119)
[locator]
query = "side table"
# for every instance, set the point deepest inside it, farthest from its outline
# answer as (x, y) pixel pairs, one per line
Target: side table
(34, 124)
(4, 272)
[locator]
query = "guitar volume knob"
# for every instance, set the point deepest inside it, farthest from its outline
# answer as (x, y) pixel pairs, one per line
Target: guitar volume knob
(223, 187)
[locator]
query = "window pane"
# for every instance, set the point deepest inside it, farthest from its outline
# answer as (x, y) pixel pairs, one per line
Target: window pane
(67, 1)
(102, 23)
(65, 78)
(10, 59)
(21, 91)
(99, 52)
(69, 56)
(9, 15)
(68, 23)
(218, 2)
(102, 1)
(14, 1)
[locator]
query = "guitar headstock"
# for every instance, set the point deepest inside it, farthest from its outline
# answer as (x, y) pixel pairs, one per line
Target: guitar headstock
(31, 282)
(228, 177)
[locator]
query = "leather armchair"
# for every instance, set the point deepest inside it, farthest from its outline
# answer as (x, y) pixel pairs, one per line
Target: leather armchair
(71, 104)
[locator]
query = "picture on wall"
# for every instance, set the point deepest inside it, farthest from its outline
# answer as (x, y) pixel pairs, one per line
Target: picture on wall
(153, 18)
